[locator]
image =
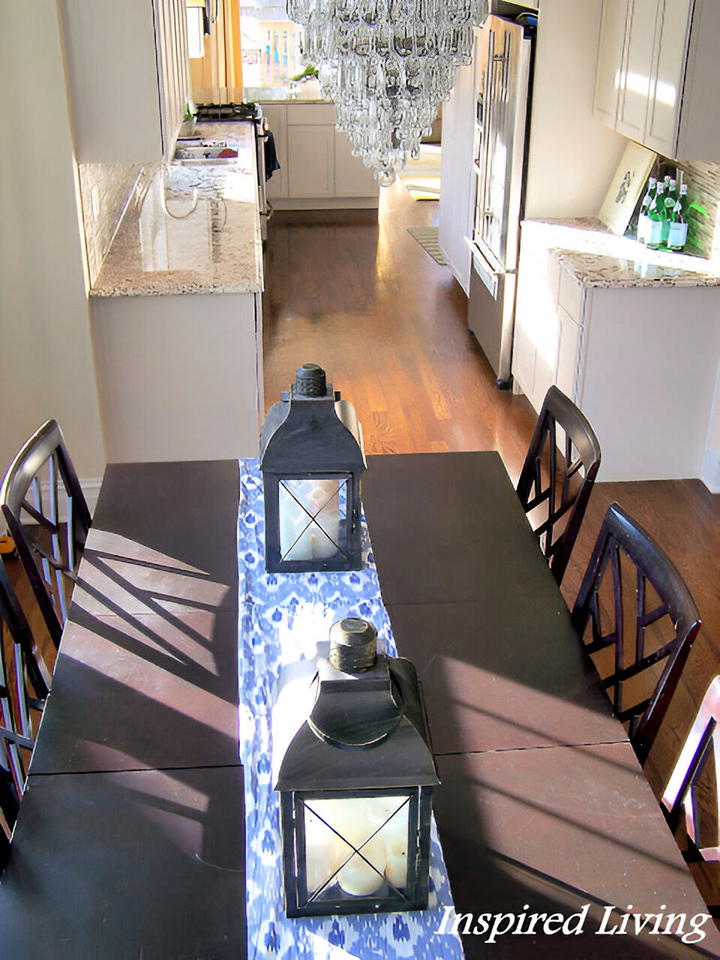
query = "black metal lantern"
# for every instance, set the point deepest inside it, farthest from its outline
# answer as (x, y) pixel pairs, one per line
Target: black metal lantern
(311, 459)
(355, 785)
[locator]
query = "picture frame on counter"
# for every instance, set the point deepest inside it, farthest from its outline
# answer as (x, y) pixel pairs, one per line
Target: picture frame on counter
(626, 186)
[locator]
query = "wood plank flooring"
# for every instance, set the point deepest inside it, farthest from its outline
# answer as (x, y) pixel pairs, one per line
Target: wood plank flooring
(358, 295)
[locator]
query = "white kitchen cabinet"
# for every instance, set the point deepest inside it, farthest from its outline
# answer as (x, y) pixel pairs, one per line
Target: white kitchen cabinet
(611, 47)
(317, 167)
(657, 71)
(311, 160)
(276, 116)
(352, 177)
(179, 377)
(569, 352)
(640, 361)
(637, 67)
(128, 77)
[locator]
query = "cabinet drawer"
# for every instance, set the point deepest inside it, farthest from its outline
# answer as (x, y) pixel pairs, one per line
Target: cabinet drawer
(317, 113)
(570, 295)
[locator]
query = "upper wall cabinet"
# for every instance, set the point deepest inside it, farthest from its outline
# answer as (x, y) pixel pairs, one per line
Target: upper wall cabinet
(657, 71)
(128, 77)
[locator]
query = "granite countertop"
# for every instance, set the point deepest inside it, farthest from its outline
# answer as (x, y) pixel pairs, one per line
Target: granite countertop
(191, 228)
(598, 258)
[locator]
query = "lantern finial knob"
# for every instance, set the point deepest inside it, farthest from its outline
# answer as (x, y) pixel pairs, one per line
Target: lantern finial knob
(310, 381)
(353, 645)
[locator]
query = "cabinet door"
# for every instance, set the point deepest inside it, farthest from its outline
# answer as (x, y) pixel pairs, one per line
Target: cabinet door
(610, 60)
(172, 70)
(352, 177)
(666, 86)
(277, 185)
(643, 18)
(311, 160)
(567, 367)
(113, 81)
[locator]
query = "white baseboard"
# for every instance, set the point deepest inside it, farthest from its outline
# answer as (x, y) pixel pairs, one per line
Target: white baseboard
(91, 489)
(711, 470)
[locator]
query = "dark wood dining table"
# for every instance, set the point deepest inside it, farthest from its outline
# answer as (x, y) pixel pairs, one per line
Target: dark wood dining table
(543, 806)
(130, 839)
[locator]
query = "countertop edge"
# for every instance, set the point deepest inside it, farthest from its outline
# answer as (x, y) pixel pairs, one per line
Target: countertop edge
(595, 257)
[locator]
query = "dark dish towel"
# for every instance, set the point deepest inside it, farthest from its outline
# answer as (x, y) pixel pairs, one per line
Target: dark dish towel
(271, 160)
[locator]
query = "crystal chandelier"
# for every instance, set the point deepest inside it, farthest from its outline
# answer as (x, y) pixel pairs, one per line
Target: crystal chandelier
(387, 64)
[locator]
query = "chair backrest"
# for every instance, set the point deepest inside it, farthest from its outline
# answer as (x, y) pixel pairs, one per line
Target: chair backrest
(557, 485)
(23, 689)
(625, 562)
(679, 794)
(49, 549)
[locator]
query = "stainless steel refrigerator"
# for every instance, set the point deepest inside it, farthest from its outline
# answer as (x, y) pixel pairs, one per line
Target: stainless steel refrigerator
(503, 53)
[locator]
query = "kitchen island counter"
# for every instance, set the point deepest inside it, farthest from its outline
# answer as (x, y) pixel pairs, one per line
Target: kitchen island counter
(190, 228)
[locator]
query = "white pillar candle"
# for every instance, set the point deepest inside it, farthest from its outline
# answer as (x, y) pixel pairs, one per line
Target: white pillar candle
(356, 820)
(324, 500)
(300, 537)
(396, 865)
(293, 520)
(360, 878)
(322, 852)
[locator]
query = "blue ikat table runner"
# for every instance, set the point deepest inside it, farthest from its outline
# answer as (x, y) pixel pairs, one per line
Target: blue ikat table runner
(282, 616)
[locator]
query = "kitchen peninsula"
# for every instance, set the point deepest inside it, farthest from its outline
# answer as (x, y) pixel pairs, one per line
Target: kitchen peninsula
(631, 335)
(176, 312)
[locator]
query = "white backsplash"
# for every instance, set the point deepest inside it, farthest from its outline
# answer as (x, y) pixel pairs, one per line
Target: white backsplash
(105, 189)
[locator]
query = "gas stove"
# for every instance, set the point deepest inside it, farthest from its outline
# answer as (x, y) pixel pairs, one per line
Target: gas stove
(208, 112)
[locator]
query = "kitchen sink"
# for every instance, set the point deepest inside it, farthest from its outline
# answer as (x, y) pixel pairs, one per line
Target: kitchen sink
(206, 151)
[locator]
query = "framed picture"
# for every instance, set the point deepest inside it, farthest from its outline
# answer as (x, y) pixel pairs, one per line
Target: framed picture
(626, 186)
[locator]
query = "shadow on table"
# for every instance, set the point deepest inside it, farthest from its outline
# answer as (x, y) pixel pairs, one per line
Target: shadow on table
(586, 836)
(120, 703)
(134, 864)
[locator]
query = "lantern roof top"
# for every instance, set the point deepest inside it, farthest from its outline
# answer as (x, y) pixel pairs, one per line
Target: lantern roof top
(366, 732)
(309, 432)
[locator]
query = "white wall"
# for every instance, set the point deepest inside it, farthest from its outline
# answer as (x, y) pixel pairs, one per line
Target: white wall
(46, 365)
(572, 157)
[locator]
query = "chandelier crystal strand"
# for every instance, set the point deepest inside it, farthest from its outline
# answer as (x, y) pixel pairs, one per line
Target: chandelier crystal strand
(387, 65)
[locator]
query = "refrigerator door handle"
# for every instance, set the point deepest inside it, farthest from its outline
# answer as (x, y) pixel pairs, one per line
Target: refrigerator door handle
(505, 58)
(487, 111)
(488, 273)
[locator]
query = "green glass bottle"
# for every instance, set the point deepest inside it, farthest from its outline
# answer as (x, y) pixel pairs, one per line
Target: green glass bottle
(643, 226)
(677, 228)
(671, 198)
(657, 216)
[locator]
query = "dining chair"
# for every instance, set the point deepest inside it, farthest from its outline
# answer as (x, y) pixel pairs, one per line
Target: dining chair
(23, 691)
(679, 796)
(558, 485)
(641, 611)
(49, 546)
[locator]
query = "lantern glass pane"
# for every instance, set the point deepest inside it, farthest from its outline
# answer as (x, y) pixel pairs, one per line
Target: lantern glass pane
(359, 844)
(313, 516)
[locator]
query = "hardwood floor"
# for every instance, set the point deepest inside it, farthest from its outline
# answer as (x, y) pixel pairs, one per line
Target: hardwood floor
(359, 296)
(365, 301)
